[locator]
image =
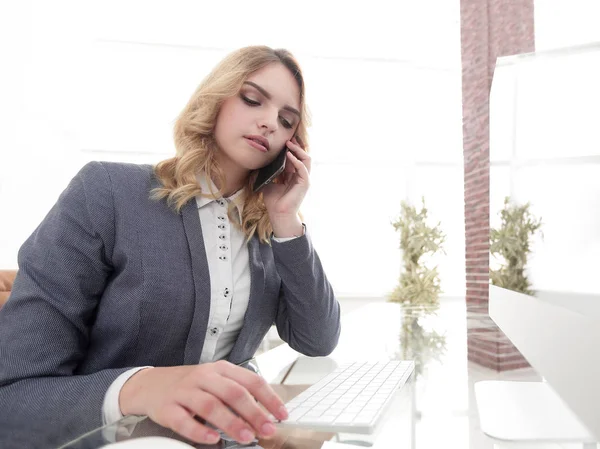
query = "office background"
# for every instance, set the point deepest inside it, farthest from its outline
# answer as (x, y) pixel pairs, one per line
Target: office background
(105, 80)
(85, 81)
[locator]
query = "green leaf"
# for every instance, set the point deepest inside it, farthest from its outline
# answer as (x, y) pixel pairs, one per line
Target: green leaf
(511, 243)
(418, 285)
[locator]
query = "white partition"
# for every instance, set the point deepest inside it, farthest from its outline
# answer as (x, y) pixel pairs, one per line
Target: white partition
(560, 342)
(545, 149)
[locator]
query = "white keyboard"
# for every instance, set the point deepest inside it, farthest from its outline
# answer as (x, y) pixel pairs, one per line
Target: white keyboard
(350, 399)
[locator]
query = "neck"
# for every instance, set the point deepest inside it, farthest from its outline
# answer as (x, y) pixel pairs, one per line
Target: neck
(235, 176)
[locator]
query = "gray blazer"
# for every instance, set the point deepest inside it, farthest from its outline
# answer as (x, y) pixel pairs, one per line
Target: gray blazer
(111, 280)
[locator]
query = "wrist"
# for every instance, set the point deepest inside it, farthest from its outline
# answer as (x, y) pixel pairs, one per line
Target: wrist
(287, 226)
(131, 394)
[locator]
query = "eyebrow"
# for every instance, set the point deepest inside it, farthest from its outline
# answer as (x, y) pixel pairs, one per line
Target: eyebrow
(268, 96)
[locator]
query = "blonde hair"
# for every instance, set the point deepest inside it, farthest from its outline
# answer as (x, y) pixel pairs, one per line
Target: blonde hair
(194, 139)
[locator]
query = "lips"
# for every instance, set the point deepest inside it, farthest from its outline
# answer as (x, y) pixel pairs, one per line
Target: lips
(258, 142)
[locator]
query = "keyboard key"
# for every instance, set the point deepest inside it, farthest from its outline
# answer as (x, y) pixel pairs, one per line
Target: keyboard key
(345, 418)
(297, 413)
(319, 420)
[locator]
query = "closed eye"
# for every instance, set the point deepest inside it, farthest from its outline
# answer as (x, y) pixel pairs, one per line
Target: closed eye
(249, 101)
(285, 123)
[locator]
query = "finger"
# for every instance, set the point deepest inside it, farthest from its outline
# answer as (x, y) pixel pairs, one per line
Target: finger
(209, 406)
(297, 142)
(289, 168)
(291, 177)
(182, 422)
(300, 154)
(240, 400)
(298, 151)
(257, 387)
(301, 169)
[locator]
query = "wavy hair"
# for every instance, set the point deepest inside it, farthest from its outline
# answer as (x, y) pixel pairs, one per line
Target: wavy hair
(196, 146)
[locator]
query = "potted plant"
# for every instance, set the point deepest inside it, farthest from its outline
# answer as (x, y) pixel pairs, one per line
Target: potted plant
(511, 244)
(419, 285)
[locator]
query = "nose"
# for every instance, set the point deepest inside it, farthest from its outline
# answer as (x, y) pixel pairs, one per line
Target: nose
(268, 121)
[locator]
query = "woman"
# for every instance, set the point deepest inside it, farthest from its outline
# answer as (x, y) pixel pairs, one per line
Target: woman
(143, 287)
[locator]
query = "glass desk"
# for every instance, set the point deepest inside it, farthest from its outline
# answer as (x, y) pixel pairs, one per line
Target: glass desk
(138, 427)
(436, 408)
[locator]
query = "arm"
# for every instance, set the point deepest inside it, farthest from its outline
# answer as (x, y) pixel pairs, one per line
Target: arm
(44, 326)
(308, 318)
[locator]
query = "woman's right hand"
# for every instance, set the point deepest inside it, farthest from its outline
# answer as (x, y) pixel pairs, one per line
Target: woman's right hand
(172, 396)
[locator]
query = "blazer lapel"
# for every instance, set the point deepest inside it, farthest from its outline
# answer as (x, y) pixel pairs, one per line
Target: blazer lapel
(197, 332)
(255, 304)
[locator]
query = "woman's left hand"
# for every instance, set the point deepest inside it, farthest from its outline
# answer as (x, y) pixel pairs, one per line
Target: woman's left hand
(283, 199)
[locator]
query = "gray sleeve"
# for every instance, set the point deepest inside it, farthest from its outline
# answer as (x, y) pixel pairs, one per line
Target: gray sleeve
(308, 317)
(45, 324)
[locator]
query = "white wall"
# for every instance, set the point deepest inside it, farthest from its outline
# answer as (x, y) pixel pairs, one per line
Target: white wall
(545, 144)
(104, 81)
(560, 23)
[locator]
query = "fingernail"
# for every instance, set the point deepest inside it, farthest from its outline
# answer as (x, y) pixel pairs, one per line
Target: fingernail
(212, 437)
(283, 413)
(268, 429)
(246, 436)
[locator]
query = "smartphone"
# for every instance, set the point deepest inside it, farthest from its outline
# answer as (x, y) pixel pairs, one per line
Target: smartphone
(269, 172)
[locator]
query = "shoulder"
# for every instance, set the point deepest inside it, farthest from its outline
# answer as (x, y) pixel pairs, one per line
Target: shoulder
(116, 178)
(116, 172)
(106, 185)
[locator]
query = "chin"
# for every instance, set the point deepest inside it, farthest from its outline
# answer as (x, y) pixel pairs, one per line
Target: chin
(254, 162)
(252, 165)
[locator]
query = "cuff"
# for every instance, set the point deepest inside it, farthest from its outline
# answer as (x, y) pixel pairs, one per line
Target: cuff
(287, 239)
(111, 411)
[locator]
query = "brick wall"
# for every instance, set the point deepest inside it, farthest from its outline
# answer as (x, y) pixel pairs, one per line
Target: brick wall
(489, 28)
